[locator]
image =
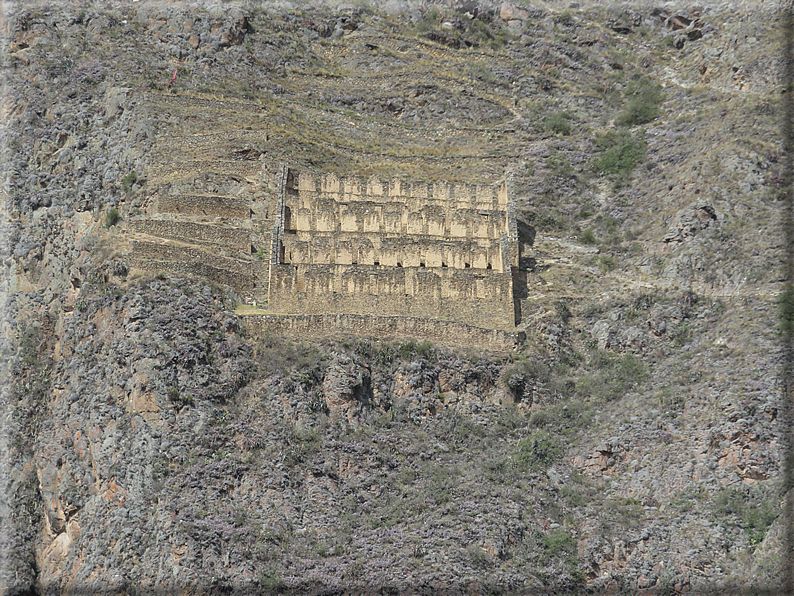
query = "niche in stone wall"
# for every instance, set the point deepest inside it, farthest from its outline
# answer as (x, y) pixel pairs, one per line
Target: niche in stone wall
(288, 224)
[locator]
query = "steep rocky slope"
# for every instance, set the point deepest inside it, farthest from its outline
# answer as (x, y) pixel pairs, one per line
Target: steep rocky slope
(635, 443)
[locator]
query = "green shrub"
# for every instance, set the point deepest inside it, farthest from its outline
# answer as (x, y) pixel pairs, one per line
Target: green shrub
(276, 354)
(270, 583)
(785, 304)
(176, 397)
(587, 237)
(440, 481)
(748, 509)
(558, 543)
(478, 557)
(481, 72)
(559, 123)
(430, 20)
(559, 166)
(128, 181)
(517, 375)
(563, 311)
(626, 511)
(685, 499)
(112, 217)
(606, 263)
(411, 349)
(610, 376)
(622, 152)
(537, 452)
(565, 417)
(644, 97)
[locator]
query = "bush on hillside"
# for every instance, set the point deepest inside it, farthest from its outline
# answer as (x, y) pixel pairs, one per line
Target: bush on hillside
(644, 97)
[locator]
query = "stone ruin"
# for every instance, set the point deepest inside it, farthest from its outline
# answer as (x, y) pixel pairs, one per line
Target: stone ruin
(316, 251)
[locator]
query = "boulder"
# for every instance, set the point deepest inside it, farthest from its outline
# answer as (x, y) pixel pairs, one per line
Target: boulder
(346, 388)
(690, 221)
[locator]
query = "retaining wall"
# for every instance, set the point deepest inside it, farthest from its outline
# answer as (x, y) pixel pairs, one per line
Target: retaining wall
(448, 333)
(411, 217)
(184, 169)
(235, 238)
(182, 259)
(210, 205)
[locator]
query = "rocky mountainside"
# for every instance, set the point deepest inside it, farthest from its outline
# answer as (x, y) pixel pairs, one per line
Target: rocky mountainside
(635, 444)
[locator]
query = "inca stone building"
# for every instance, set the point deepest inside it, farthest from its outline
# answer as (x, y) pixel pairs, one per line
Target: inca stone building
(303, 244)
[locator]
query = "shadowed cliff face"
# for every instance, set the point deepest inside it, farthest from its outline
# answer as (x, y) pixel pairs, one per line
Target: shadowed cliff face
(633, 443)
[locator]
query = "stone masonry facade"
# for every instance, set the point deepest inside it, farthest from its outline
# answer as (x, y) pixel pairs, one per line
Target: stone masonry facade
(303, 244)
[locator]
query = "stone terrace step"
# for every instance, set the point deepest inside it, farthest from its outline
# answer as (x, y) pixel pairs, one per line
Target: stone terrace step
(159, 256)
(210, 205)
(184, 169)
(234, 238)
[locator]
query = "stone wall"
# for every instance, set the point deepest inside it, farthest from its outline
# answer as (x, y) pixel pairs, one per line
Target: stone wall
(209, 205)
(154, 256)
(244, 168)
(472, 297)
(186, 231)
(353, 188)
(373, 247)
(397, 219)
(347, 248)
(310, 244)
(447, 333)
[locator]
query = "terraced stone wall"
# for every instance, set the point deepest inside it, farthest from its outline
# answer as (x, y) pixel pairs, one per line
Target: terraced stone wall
(242, 168)
(448, 333)
(304, 243)
(234, 238)
(208, 205)
(154, 256)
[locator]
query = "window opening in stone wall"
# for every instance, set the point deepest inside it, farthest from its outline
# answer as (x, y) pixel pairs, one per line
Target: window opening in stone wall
(421, 263)
(282, 253)
(399, 265)
(288, 221)
(489, 266)
(443, 264)
(376, 263)
(467, 265)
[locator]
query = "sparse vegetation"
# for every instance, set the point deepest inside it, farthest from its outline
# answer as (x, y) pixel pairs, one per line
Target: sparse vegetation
(609, 376)
(785, 302)
(587, 237)
(621, 153)
(537, 452)
(643, 98)
(112, 217)
(128, 181)
(559, 123)
(748, 509)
